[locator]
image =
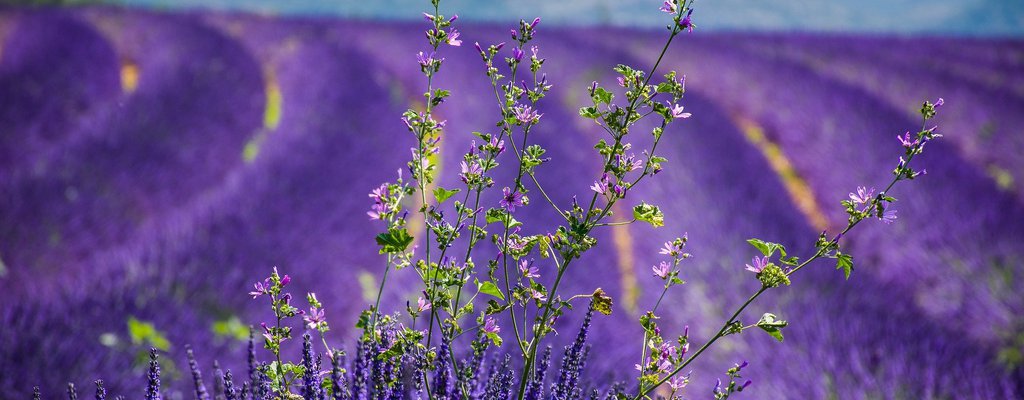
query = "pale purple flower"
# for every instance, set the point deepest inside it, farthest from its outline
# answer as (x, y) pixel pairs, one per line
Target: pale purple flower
(668, 7)
(669, 249)
(939, 103)
(422, 304)
(517, 54)
(534, 49)
(425, 59)
(469, 170)
(314, 317)
(453, 37)
(528, 270)
(621, 81)
(491, 327)
(759, 264)
(510, 199)
(677, 111)
(906, 142)
(453, 18)
(679, 382)
(497, 144)
(260, 289)
(864, 195)
(478, 48)
(889, 216)
(601, 186)
(662, 270)
(537, 21)
(428, 17)
(538, 295)
(526, 114)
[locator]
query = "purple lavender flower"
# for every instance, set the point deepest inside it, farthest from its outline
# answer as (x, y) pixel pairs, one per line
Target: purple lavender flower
(662, 270)
(153, 384)
(72, 395)
(101, 392)
(510, 199)
(759, 264)
(229, 386)
(197, 377)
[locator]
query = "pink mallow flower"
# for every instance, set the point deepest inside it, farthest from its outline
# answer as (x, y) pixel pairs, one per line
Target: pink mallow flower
(491, 327)
(863, 195)
(662, 270)
(314, 317)
(759, 264)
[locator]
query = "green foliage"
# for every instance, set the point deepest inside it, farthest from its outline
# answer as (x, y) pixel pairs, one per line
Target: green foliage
(650, 214)
(395, 240)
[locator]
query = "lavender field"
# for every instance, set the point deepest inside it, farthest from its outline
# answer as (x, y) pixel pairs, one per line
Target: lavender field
(153, 166)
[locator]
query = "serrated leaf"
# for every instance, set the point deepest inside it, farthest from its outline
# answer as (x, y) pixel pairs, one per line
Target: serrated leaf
(395, 240)
(441, 194)
(650, 214)
(602, 96)
(845, 262)
(767, 248)
(493, 307)
(602, 302)
(488, 287)
(772, 325)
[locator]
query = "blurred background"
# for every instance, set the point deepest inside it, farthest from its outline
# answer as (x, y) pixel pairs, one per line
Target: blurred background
(157, 157)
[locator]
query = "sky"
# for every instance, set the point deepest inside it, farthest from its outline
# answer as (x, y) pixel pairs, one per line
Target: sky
(910, 17)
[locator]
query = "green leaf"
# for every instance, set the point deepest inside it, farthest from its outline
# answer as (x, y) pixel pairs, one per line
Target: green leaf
(395, 240)
(602, 302)
(493, 307)
(650, 214)
(589, 112)
(488, 287)
(441, 194)
(767, 248)
(771, 324)
(845, 262)
(602, 96)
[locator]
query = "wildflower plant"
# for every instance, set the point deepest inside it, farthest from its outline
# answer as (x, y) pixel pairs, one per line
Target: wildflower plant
(471, 304)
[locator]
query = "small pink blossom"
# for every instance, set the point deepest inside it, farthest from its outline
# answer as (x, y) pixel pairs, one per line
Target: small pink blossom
(759, 264)
(662, 270)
